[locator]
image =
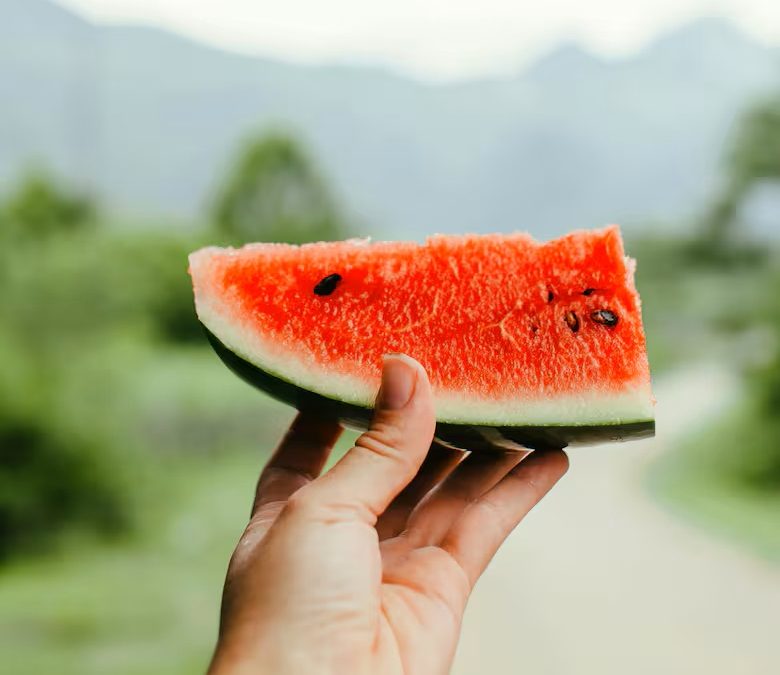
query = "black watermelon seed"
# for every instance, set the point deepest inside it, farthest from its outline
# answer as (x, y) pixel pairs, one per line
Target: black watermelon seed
(327, 285)
(550, 296)
(605, 317)
(589, 291)
(572, 321)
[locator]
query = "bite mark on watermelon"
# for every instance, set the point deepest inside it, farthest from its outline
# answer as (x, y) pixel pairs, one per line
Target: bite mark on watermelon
(511, 331)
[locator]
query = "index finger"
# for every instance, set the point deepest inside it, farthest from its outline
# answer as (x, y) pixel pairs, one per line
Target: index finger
(298, 459)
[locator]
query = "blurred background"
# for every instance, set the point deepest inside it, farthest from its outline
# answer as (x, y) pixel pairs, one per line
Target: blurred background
(133, 131)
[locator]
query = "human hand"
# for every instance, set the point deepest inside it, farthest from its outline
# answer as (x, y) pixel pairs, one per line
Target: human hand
(367, 568)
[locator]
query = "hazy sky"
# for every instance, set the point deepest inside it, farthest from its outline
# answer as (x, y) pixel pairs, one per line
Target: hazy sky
(440, 39)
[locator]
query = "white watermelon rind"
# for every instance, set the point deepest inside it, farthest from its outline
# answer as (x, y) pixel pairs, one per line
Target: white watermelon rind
(468, 436)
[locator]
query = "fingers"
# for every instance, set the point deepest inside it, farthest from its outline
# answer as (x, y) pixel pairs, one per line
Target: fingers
(298, 459)
(439, 462)
(387, 456)
(479, 472)
(476, 536)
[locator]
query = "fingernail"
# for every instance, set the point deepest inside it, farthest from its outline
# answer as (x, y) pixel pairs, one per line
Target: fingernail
(399, 378)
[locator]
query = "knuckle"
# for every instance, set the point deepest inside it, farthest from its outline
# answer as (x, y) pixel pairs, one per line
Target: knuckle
(384, 441)
(306, 508)
(496, 518)
(347, 511)
(527, 483)
(300, 503)
(387, 432)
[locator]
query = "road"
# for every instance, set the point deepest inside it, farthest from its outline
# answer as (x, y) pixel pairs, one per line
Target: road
(600, 580)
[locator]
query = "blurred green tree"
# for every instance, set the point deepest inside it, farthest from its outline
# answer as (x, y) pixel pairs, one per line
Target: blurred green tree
(764, 385)
(274, 192)
(50, 481)
(40, 207)
(754, 157)
(55, 471)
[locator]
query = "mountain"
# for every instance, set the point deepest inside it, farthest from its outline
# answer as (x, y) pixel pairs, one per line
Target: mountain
(150, 120)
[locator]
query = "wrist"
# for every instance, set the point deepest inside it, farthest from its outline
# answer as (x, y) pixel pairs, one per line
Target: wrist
(232, 658)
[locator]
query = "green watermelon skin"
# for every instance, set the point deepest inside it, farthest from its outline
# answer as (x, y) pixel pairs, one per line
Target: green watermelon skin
(464, 436)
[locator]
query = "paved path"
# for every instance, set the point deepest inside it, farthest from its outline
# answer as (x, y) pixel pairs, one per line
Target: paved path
(600, 581)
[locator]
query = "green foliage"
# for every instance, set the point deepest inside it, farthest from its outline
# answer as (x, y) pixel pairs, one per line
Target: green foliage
(140, 279)
(756, 153)
(754, 157)
(49, 480)
(53, 473)
(75, 289)
(275, 193)
(54, 470)
(764, 387)
(170, 298)
(724, 248)
(40, 207)
(759, 465)
(79, 302)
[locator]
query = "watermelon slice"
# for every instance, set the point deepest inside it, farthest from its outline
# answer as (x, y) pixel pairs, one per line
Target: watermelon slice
(526, 343)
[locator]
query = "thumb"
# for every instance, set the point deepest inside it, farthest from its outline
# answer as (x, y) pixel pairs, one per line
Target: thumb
(387, 456)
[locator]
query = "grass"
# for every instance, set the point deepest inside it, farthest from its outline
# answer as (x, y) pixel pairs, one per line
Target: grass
(148, 604)
(703, 481)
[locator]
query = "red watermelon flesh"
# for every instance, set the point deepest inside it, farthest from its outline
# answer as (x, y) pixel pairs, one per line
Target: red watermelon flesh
(511, 331)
